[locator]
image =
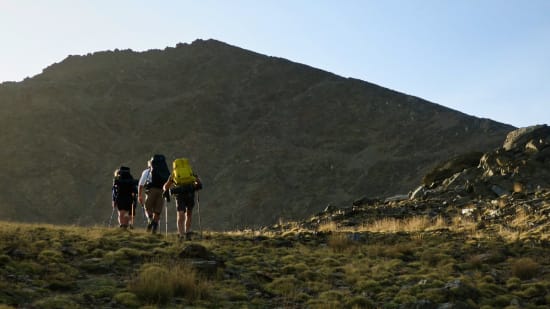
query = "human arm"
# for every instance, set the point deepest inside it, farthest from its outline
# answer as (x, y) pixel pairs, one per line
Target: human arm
(141, 185)
(168, 184)
(113, 195)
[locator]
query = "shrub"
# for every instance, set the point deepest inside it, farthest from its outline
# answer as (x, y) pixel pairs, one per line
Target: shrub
(157, 284)
(127, 299)
(359, 302)
(525, 268)
(153, 284)
(285, 286)
(533, 290)
(186, 282)
(4, 259)
(340, 242)
(513, 283)
(54, 302)
(50, 256)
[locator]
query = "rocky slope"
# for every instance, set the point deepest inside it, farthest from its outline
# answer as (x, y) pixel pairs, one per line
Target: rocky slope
(508, 188)
(270, 138)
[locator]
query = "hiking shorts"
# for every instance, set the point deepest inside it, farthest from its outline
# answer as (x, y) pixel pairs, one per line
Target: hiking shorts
(185, 200)
(154, 200)
(124, 203)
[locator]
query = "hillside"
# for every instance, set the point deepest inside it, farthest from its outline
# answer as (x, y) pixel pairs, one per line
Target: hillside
(471, 236)
(270, 138)
(442, 266)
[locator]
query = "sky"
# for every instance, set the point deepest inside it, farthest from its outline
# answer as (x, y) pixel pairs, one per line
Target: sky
(485, 58)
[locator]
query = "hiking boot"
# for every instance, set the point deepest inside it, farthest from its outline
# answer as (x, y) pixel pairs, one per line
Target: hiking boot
(188, 236)
(149, 226)
(154, 227)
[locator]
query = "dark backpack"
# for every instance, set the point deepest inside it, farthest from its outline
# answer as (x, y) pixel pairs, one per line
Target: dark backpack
(123, 183)
(159, 171)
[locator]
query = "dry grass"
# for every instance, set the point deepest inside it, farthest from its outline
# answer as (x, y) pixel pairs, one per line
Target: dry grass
(342, 242)
(412, 224)
(344, 268)
(408, 225)
(328, 227)
(524, 268)
(158, 283)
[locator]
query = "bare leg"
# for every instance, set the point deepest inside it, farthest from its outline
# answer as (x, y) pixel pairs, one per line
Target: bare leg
(181, 223)
(123, 218)
(188, 215)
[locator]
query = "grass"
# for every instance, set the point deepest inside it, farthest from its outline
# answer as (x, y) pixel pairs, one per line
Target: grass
(390, 263)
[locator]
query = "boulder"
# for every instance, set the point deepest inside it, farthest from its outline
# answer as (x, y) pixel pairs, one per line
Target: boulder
(204, 261)
(518, 139)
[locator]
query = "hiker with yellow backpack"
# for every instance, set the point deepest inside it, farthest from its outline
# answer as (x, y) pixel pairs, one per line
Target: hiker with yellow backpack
(182, 184)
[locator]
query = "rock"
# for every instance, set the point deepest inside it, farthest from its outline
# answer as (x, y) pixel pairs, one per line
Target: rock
(543, 155)
(520, 137)
(196, 251)
(454, 165)
(499, 191)
(418, 193)
(364, 201)
(201, 259)
(398, 197)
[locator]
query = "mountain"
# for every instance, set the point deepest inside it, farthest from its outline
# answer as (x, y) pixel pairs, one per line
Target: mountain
(270, 138)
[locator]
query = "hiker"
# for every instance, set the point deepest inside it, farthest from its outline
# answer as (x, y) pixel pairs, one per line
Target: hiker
(183, 183)
(124, 196)
(151, 181)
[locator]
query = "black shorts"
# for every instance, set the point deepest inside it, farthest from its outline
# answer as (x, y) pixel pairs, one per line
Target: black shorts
(125, 203)
(185, 200)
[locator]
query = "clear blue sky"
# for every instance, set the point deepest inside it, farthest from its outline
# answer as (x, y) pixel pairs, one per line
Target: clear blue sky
(487, 58)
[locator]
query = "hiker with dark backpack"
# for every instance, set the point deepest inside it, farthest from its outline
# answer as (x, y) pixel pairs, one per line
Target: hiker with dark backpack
(124, 192)
(151, 182)
(182, 184)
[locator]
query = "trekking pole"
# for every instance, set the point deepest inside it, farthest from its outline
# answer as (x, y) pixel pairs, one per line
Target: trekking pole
(111, 219)
(145, 217)
(132, 216)
(166, 219)
(199, 213)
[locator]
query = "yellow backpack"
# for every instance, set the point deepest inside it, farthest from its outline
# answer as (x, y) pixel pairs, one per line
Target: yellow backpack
(182, 174)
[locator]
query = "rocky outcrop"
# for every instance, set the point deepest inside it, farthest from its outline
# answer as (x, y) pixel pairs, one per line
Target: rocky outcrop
(521, 165)
(508, 188)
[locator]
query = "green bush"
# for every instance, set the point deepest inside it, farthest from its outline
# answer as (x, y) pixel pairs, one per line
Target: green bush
(55, 302)
(127, 299)
(50, 256)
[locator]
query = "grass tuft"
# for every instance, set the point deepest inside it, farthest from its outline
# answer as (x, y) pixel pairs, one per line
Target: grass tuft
(525, 268)
(158, 283)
